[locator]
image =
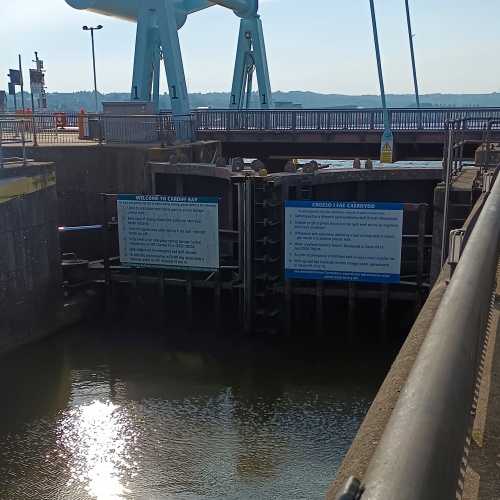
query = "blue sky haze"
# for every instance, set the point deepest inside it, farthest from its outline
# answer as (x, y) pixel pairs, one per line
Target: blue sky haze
(318, 45)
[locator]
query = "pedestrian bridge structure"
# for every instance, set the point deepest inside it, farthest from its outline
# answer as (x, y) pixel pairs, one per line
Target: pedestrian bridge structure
(277, 135)
(273, 136)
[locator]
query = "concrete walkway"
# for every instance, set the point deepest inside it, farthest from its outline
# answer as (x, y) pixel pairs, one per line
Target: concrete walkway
(482, 479)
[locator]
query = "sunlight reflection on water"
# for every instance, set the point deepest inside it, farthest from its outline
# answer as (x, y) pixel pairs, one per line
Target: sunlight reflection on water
(90, 416)
(97, 439)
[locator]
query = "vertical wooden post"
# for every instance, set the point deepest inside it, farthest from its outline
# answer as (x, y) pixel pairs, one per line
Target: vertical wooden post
(105, 250)
(105, 240)
(179, 185)
(422, 216)
(352, 312)
(287, 284)
(163, 305)
(189, 302)
(217, 301)
(360, 191)
(319, 308)
(384, 305)
(153, 180)
(288, 307)
(135, 293)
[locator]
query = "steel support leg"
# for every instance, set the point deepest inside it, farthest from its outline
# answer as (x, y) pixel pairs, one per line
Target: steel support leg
(249, 78)
(174, 67)
(156, 71)
(240, 69)
(144, 55)
(251, 52)
(261, 66)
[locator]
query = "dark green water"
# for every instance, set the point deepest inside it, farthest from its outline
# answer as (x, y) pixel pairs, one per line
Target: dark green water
(108, 415)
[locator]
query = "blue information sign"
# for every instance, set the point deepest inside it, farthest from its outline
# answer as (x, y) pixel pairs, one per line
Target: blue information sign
(343, 241)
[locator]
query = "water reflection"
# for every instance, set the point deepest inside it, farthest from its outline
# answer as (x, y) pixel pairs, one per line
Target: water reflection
(136, 417)
(98, 440)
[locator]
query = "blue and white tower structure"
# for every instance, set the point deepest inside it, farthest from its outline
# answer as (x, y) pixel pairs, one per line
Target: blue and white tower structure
(158, 22)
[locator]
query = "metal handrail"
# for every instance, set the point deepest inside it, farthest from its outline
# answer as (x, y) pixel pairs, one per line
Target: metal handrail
(277, 110)
(64, 127)
(320, 120)
(324, 120)
(454, 161)
(422, 448)
(13, 130)
(493, 125)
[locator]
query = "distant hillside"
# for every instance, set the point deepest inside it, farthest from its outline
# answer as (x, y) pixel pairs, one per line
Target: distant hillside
(85, 100)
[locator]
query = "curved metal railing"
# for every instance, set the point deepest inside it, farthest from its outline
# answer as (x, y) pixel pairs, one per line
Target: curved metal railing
(421, 451)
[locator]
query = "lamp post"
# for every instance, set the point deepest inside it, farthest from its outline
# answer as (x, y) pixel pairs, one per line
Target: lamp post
(92, 29)
(22, 81)
(412, 52)
(387, 146)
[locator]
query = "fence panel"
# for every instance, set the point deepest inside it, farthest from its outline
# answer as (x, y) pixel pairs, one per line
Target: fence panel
(402, 120)
(61, 128)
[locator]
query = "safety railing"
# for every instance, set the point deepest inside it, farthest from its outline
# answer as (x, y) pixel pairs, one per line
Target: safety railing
(487, 157)
(14, 131)
(104, 128)
(137, 129)
(402, 120)
(81, 128)
(420, 455)
(457, 138)
(57, 128)
(454, 160)
(47, 128)
(61, 128)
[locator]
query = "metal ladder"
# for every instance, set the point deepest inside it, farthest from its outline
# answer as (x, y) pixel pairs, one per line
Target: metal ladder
(267, 255)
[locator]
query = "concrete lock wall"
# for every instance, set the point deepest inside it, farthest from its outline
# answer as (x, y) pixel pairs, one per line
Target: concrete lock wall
(30, 271)
(85, 172)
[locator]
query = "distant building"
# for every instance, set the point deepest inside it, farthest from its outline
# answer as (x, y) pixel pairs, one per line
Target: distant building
(286, 105)
(3, 101)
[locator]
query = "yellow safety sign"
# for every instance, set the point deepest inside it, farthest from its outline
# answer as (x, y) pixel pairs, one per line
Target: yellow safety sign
(386, 153)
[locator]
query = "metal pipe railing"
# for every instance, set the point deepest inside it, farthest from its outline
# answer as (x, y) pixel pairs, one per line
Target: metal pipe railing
(14, 131)
(447, 189)
(424, 119)
(422, 448)
(454, 159)
(490, 136)
(75, 127)
(313, 119)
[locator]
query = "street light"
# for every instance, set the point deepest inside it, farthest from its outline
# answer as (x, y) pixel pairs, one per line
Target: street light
(387, 146)
(412, 53)
(92, 29)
